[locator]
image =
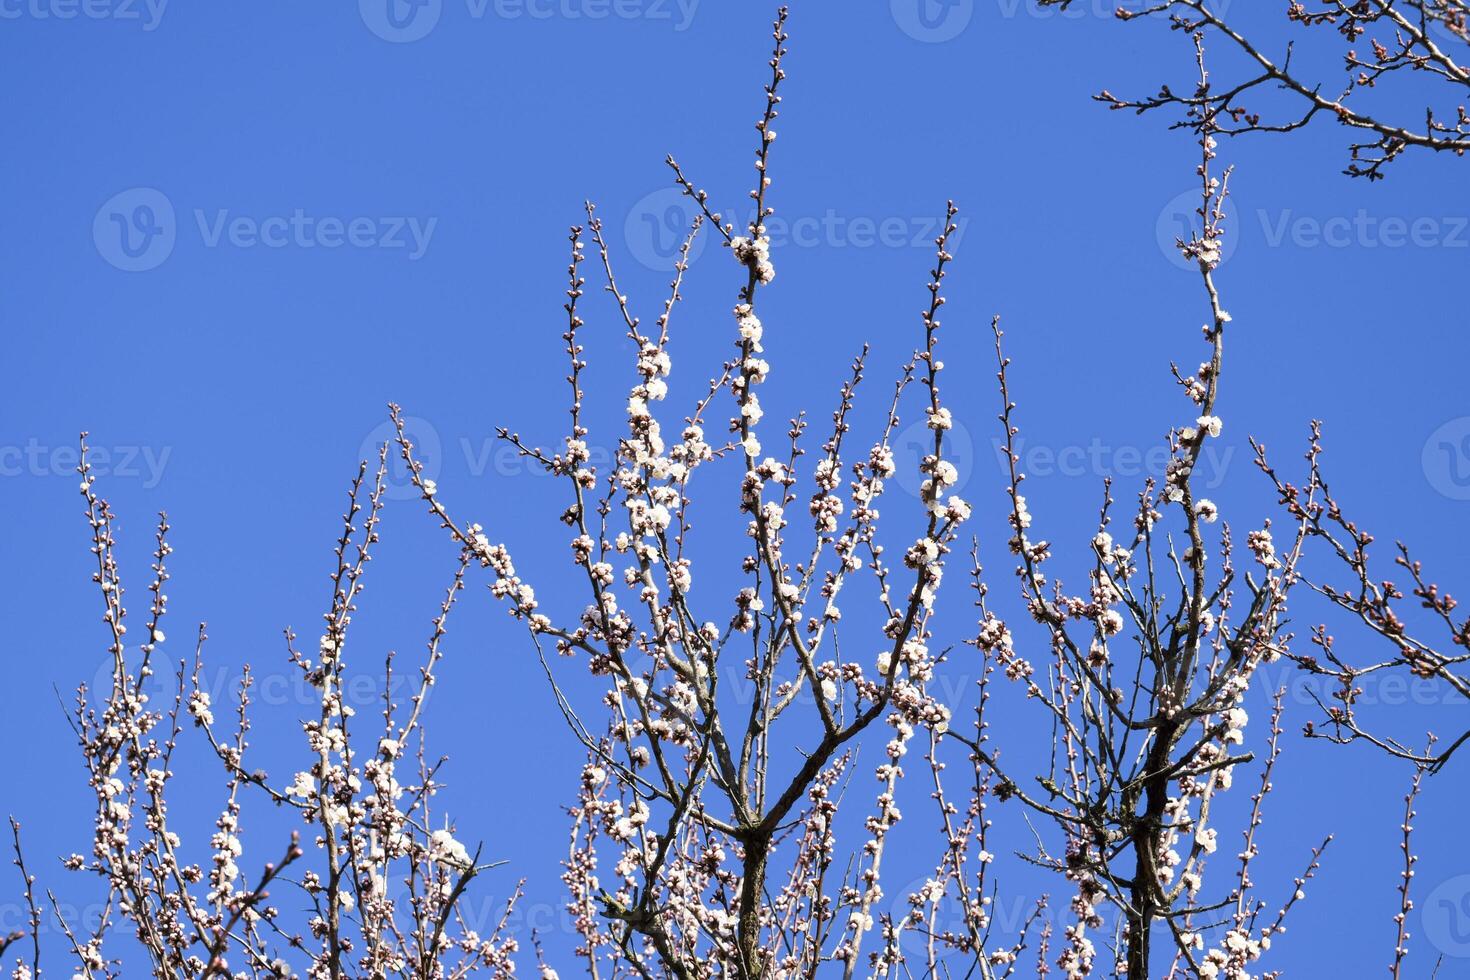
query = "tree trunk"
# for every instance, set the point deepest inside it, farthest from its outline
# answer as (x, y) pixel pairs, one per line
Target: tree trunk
(752, 887)
(1144, 893)
(1139, 926)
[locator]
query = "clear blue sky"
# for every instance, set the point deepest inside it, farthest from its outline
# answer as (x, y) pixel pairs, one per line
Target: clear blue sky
(233, 232)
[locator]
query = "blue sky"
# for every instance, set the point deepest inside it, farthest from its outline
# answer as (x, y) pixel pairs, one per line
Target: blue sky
(235, 232)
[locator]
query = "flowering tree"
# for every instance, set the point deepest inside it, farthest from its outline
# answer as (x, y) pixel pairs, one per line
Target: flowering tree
(707, 835)
(1409, 41)
(1379, 604)
(1412, 45)
(722, 847)
(383, 884)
